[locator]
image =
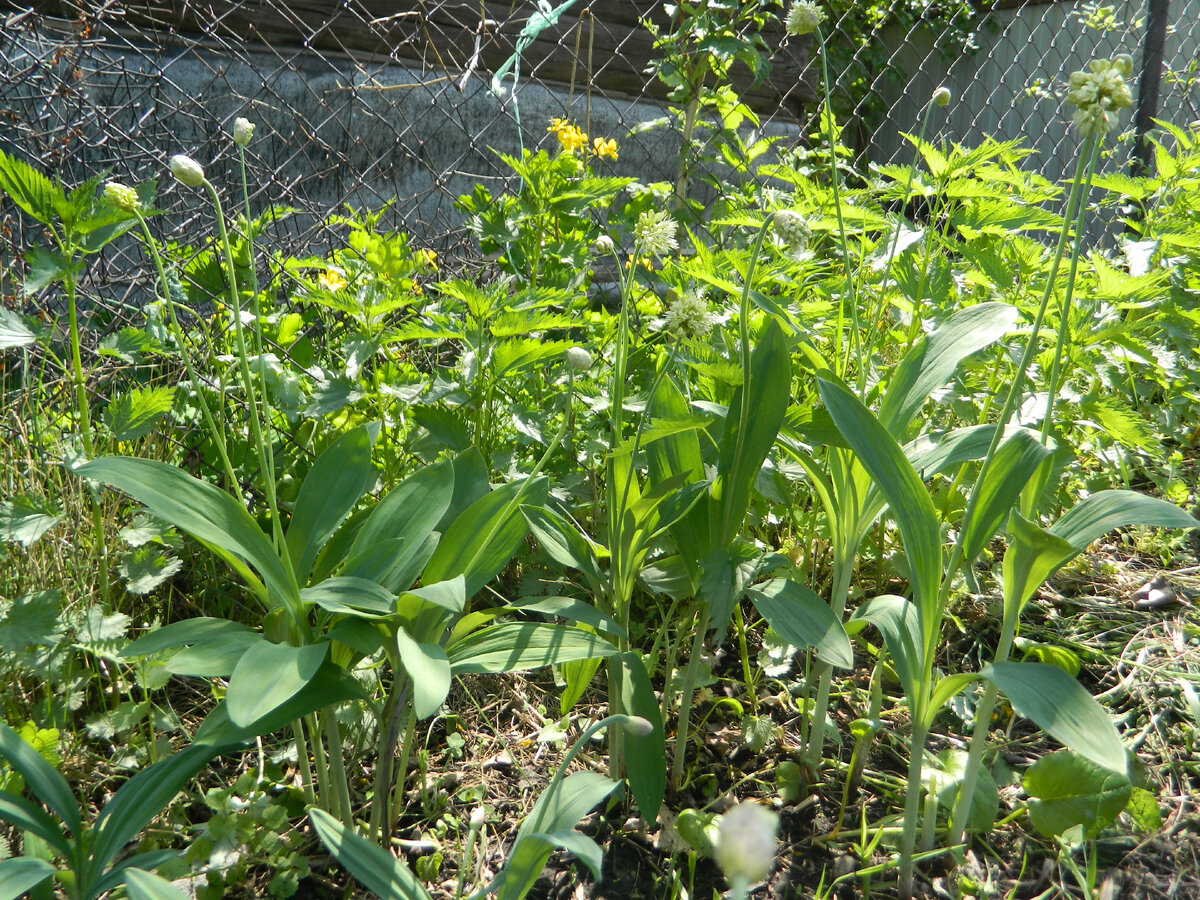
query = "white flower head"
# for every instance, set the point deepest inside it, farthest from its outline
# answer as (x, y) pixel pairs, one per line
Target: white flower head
(1098, 93)
(186, 170)
(746, 842)
(243, 130)
(941, 97)
(604, 246)
(687, 316)
(578, 359)
(792, 229)
(804, 18)
(122, 196)
(654, 233)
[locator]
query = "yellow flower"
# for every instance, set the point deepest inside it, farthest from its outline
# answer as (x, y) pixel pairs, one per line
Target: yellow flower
(569, 136)
(605, 149)
(332, 279)
(428, 258)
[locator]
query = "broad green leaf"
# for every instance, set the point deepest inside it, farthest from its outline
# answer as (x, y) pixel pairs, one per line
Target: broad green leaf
(13, 331)
(645, 755)
(428, 670)
(330, 686)
(184, 633)
(1033, 554)
(484, 538)
(564, 543)
(140, 799)
(351, 596)
(1004, 477)
(269, 675)
(470, 484)
(392, 564)
(946, 782)
(381, 873)
(133, 415)
(332, 488)
(578, 676)
(742, 454)
(410, 512)
(198, 508)
(31, 818)
(906, 495)
(1067, 660)
(1067, 789)
(1061, 707)
(569, 608)
(898, 621)
(23, 520)
(19, 876)
(803, 619)
(1095, 516)
(520, 646)
(40, 778)
(1143, 810)
(933, 361)
(556, 811)
(675, 454)
(215, 657)
(143, 885)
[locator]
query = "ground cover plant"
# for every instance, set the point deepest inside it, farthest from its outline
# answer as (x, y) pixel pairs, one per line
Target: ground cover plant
(839, 546)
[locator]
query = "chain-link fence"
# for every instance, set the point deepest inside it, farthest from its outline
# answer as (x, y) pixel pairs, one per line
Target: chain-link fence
(367, 103)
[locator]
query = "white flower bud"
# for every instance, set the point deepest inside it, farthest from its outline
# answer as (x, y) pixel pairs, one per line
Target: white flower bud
(186, 170)
(746, 842)
(122, 196)
(941, 97)
(604, 245)
(243, 130)
(478, 817)
(1123, 63)
(639, 727)
(579, 359)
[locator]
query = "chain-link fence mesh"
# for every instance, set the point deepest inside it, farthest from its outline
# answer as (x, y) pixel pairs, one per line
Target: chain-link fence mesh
(368, 103)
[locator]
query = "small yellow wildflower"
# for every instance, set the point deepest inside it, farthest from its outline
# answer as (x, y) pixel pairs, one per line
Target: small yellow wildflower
(605, 149)
(332, 279)
(569, 136)
(428, 258)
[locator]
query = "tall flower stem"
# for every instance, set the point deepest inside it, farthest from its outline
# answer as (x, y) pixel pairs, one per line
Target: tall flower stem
(850, 295)
(1080, 186)
(177, 332)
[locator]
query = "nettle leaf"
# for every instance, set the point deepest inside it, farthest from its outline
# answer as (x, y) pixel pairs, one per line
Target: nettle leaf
(47, 267)
(32, 621)
(1067, 790)
(32, 191)
(99, 626)
(129, 344)
(13, 331)
(134, 415)
(147, 567)
(23, 520)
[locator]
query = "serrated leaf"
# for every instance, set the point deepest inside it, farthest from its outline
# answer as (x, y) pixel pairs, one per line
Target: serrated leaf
(133, 415)
(128, 344)
(32, 621)
(32, 191)
(13, 330)
(23, 520)
(147, 567)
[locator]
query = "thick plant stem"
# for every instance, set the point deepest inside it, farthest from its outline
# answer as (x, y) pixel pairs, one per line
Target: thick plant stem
(843, 568)
(686, 692)
(337, 766)
(912, 802)
(983, 720)
(306, 775)
(385, 757)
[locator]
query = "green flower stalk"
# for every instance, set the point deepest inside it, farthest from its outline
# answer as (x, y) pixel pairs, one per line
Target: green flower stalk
(1094, 91)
